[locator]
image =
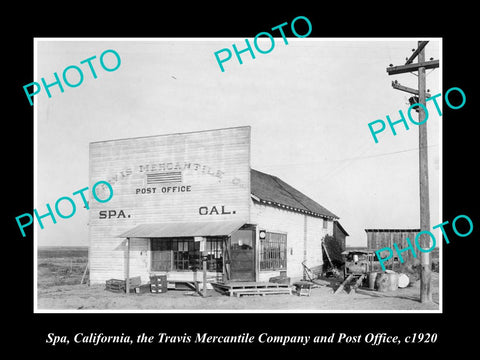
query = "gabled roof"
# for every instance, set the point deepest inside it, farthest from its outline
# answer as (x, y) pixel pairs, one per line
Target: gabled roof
(392, 230)
(340, 227)
(269, 189)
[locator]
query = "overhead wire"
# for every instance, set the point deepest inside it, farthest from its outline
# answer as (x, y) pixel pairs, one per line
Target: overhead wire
(350, 159)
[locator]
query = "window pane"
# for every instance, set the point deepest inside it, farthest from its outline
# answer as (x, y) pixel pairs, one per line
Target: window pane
(242, 239)
(184, 254)
(273, 252)
(214, 251)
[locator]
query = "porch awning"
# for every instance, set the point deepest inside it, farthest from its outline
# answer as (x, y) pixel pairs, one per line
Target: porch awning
(190, 229)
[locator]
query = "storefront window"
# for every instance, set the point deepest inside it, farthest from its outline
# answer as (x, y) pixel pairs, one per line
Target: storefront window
(179, 254)
(186, 254)
(273, 251)
(214, 253)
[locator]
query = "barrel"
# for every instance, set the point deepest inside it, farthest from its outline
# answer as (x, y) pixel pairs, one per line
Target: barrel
(386, 281)
(381, 282)
(371, 280)
(392, 281)
(403, 280)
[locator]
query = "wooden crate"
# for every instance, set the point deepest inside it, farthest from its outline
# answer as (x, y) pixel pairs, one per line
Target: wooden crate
(135, 281)
(303, 288)
(158, 284)
(158, 290)
(142, 289)
(115, 282)
(117, 285)
(158, 279)
(120, 290)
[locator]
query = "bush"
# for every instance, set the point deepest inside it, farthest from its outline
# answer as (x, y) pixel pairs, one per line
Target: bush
(335, 250)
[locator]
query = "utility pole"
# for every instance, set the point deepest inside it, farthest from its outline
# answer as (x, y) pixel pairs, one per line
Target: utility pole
(420, 66)
(425, 273)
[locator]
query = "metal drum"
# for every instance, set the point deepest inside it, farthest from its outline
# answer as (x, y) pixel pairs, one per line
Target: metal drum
(392, 281)
(371, 279)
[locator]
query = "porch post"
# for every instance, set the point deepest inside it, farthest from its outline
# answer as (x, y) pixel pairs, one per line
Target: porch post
(226, 259)
(127, 281)
(204, 263)
(256, 255)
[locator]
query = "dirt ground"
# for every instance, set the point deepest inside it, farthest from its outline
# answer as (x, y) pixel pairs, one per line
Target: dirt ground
(60, 272)
(83, 297)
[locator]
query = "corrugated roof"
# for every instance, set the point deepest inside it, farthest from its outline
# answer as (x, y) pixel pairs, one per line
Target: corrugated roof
(271, 190)
(190, 229)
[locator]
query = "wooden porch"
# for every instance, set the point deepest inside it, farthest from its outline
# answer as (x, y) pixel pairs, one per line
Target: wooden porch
(238, 289)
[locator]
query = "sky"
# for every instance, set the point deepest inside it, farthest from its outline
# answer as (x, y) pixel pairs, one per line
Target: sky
(308, 104)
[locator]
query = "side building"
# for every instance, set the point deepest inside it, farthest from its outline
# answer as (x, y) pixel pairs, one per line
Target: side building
(381, 238)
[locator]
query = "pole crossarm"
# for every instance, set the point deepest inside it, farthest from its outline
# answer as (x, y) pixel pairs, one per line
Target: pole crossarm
(421, 45)
(398, 86)
(393, 70)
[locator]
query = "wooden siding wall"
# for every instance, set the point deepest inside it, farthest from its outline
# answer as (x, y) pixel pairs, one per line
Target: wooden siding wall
(293, 224)
(381, 239)
(315, 233)
(215, 165)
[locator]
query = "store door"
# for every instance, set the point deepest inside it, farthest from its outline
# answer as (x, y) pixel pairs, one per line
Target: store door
(242, 256)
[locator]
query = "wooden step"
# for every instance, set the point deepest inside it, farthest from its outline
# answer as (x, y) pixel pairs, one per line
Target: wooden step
(251, 288)
(265, 291)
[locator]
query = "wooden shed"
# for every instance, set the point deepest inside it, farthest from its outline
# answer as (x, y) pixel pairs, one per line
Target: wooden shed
(380, 238)
(340, 234)
(179, 198)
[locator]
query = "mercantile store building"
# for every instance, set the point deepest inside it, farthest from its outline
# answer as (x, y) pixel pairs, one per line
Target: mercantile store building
(181, 198)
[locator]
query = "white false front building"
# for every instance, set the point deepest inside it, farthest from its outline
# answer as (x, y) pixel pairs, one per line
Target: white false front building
(181, 198)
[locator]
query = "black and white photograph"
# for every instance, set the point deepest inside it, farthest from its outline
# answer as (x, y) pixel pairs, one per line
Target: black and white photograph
(274, 187)
(267, 186)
